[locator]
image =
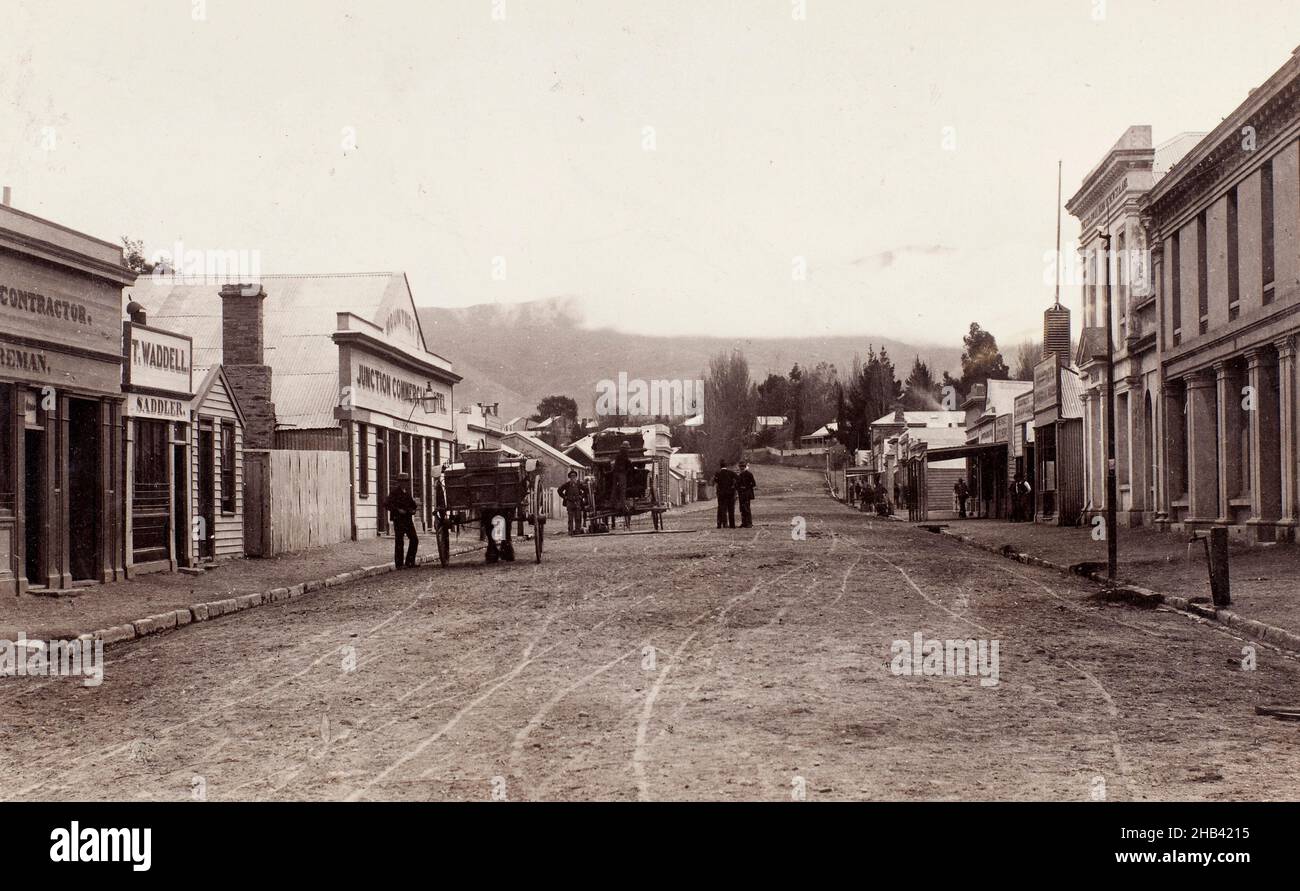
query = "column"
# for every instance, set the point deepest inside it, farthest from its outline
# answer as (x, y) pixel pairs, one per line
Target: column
(1265, 469)
(1086, 399)
(1286, 372)
(1202, 447)
(1229, 440)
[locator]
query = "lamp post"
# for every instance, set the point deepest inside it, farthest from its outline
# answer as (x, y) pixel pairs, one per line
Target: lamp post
(1112, 532)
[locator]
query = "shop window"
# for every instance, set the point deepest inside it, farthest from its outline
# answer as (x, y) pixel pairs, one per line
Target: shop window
(363, 460)
(227, 467)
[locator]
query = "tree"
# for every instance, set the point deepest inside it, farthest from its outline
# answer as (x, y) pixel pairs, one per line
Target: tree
(133, 256)
(981, 360)
(872, 392)
(774, 396)
(1028, 354)
(552, 406)
(920, 392)
(729, 400)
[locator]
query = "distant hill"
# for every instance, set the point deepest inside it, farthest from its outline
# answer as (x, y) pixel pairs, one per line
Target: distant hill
(515, 354)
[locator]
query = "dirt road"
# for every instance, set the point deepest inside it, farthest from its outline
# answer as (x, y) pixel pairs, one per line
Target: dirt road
(704, 664)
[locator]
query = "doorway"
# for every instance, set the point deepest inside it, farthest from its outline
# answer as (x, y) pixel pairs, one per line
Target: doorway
(85, 488)
(180, 529)
(207, 496)
(381, 480)
(33, 488)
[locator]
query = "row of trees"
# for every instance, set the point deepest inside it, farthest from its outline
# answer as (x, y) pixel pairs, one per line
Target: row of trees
(810, 398)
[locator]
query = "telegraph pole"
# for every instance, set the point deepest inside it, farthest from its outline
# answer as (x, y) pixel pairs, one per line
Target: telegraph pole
(1112, 532)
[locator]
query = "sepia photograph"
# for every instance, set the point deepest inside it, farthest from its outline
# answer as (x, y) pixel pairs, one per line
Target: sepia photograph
(418, 407)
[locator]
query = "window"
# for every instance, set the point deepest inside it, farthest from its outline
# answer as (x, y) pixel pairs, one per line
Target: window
(227, 467)
(1266, 227)
(1234, 269)
(363, 460)
(7, 472)
(1121, 280)
(1202, 274)
(1176, 286)
(404, 443)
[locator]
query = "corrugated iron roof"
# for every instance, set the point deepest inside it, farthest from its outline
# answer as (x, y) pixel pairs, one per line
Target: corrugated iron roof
(1071, 394)
(300, 316)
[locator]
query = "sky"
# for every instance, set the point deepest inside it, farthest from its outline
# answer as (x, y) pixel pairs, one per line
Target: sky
(733, 167)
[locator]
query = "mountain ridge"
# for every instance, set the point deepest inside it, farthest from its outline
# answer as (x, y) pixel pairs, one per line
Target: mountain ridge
(516, 354)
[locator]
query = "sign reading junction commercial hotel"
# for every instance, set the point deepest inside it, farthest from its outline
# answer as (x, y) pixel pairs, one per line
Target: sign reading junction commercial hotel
(158, 372)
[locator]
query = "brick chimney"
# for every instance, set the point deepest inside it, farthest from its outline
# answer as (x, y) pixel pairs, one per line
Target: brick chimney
(242, 339)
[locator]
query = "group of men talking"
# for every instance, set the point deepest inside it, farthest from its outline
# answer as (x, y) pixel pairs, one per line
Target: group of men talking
(732, 485)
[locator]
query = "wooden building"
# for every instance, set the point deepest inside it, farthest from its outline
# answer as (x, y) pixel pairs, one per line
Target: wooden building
(61, 437)
(338, 390)
(158, 382)
(215, 494)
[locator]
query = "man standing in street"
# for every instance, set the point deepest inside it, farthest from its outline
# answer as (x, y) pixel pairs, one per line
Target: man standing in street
(962, 491)
(745, 491)
(724, 481)
(622, 468)
(401, 509)
(573, 495)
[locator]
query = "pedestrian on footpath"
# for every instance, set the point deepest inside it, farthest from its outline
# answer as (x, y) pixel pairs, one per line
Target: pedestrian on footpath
(745, 486)
(574, 496)
(401, 510)
(724, 481)
(962, 492)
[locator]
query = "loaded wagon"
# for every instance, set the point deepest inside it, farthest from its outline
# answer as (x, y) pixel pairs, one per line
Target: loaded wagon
(492, 491)
(629, 477)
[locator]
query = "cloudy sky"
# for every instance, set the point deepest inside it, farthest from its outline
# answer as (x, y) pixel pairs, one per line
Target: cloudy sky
(712, 166)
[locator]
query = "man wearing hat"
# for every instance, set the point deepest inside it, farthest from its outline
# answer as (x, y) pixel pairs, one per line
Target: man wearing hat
(724, 483)
(401, 509)
(573, 495)
(745, 486)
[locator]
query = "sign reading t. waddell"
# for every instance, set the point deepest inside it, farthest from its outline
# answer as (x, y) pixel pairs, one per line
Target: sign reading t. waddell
(157, 360)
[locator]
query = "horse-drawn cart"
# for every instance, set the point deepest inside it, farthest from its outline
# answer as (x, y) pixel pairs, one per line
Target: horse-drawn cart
(629, 477)
(491, 490)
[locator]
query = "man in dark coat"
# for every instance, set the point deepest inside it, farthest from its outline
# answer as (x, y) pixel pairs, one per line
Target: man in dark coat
(745, 492)
(724, 481)
(574, 495)
(962, 491)
(621, 470)
(401, 509)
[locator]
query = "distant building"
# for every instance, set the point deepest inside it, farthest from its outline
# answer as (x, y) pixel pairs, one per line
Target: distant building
(478, 426)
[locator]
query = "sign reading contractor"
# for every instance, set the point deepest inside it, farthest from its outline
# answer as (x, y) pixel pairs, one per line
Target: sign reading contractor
(157, 360)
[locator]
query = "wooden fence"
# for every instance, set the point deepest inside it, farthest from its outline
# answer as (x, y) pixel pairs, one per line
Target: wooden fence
(308, 499)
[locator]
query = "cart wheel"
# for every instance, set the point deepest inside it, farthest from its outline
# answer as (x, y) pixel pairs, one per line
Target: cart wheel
(539, 523)
(444, 542)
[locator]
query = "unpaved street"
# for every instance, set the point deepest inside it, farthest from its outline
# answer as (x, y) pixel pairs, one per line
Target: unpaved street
(738, 664)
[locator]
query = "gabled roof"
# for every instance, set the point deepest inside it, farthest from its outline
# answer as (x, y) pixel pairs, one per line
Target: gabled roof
(928, 419)
(542, 446)
(1092, 345)
(584, 446)
(300, 319)
(210, 378)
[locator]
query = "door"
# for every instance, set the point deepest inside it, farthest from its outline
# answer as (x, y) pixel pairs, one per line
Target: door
(181, 502)
(381, 480)
(34, 520)
(207, 495)
(84, 489)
